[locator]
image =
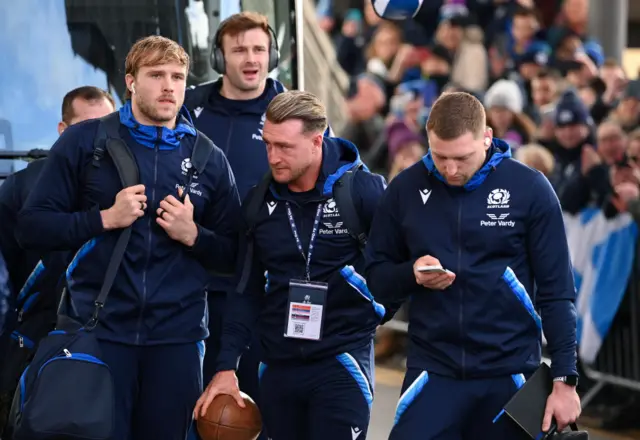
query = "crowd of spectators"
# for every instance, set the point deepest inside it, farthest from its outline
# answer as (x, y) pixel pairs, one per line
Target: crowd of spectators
(549, 90)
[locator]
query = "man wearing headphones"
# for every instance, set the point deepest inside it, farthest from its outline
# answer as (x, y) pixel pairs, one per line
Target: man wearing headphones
(231, 112)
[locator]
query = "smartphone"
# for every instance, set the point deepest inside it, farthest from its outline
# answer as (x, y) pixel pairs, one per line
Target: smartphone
(432, 269)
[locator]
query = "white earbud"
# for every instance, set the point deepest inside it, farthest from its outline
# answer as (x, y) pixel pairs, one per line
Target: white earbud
(133, 88)
(487, 142)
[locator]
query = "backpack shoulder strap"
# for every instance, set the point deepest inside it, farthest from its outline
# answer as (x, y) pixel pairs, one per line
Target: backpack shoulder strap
(108, 127)
(251, 208)
(201, 152)
(129, 174)
(252, 205)
(343, 195)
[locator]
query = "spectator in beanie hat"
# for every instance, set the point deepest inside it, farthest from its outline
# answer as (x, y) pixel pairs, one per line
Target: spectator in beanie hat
(574, 139)
(504, 103)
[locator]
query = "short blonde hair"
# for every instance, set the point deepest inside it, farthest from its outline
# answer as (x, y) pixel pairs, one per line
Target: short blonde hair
(152, 51)
(536, 156)
(301, 105)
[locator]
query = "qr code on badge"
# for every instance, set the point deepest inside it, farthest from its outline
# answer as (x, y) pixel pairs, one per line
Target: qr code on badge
(298, 329)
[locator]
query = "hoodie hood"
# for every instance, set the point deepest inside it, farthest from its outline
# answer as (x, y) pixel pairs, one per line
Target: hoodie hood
(498, 151)
(163, 137)
(338, 157)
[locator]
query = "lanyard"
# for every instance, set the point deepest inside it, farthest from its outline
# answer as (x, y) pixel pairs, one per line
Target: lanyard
(314, 232)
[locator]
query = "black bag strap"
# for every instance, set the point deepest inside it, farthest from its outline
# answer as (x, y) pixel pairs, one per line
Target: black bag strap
(108, 138)
(554, 433)
(343, 195)
(253, 205)
(251, 210)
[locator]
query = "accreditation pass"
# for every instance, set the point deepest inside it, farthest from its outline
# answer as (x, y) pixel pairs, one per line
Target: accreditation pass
(306, 307)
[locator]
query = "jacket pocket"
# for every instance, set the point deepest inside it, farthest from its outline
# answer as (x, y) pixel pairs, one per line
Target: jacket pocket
(357, 281)
(516, 287)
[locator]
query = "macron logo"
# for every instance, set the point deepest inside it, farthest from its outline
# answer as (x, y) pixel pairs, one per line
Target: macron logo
(271, 206)
(425, 194)
(355, 433)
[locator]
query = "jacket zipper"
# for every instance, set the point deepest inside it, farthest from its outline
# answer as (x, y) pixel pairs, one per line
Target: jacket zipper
(461, 316)
(152, 205)
(228, 143)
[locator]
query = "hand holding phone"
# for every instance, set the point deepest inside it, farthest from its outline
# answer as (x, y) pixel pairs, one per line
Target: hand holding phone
(432, 269)
(430, 273)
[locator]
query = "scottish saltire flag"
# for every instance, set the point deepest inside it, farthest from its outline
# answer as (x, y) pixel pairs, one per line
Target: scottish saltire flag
(602, 253)
(396, 9)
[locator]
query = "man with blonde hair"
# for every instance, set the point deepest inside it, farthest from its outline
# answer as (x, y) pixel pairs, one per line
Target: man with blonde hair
(152, 327)
(316, 315)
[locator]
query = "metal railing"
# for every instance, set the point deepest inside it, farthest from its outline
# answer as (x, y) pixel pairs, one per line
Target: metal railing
(618, 361)
(323, 76)
(27, 156)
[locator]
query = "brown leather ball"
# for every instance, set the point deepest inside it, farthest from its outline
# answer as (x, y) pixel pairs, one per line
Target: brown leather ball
(225, 420)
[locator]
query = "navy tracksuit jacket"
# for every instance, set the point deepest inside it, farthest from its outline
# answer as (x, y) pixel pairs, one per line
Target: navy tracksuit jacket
(235, 126)
(154, 321)
(13, 194)
(310, 389)
(503, 236)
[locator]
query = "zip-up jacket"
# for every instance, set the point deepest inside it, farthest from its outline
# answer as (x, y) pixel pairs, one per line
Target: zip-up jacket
(236, 127)
(503, 236)
(13, 194)
(158, 295)
(351, 315)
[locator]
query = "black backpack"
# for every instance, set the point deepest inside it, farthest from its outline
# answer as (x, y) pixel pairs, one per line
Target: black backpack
(343, 196)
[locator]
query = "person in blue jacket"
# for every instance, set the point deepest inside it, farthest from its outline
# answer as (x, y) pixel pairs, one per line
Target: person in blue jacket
(494, 230)
(230, 111)
(316, 315)
(152, 327)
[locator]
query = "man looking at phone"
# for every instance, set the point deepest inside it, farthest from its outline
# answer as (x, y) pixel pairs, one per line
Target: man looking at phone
(495, 226)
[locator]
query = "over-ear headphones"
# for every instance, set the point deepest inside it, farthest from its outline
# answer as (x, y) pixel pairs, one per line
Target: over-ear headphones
(217, 56)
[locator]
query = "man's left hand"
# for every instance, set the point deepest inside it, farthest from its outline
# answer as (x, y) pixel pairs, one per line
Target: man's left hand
(176, 219)
(563, 405)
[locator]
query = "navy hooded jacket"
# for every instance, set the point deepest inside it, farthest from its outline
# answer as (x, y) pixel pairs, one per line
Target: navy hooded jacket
(235, 127)
(351, 315)
(158, 295)
(13, 194)
(501, 234)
